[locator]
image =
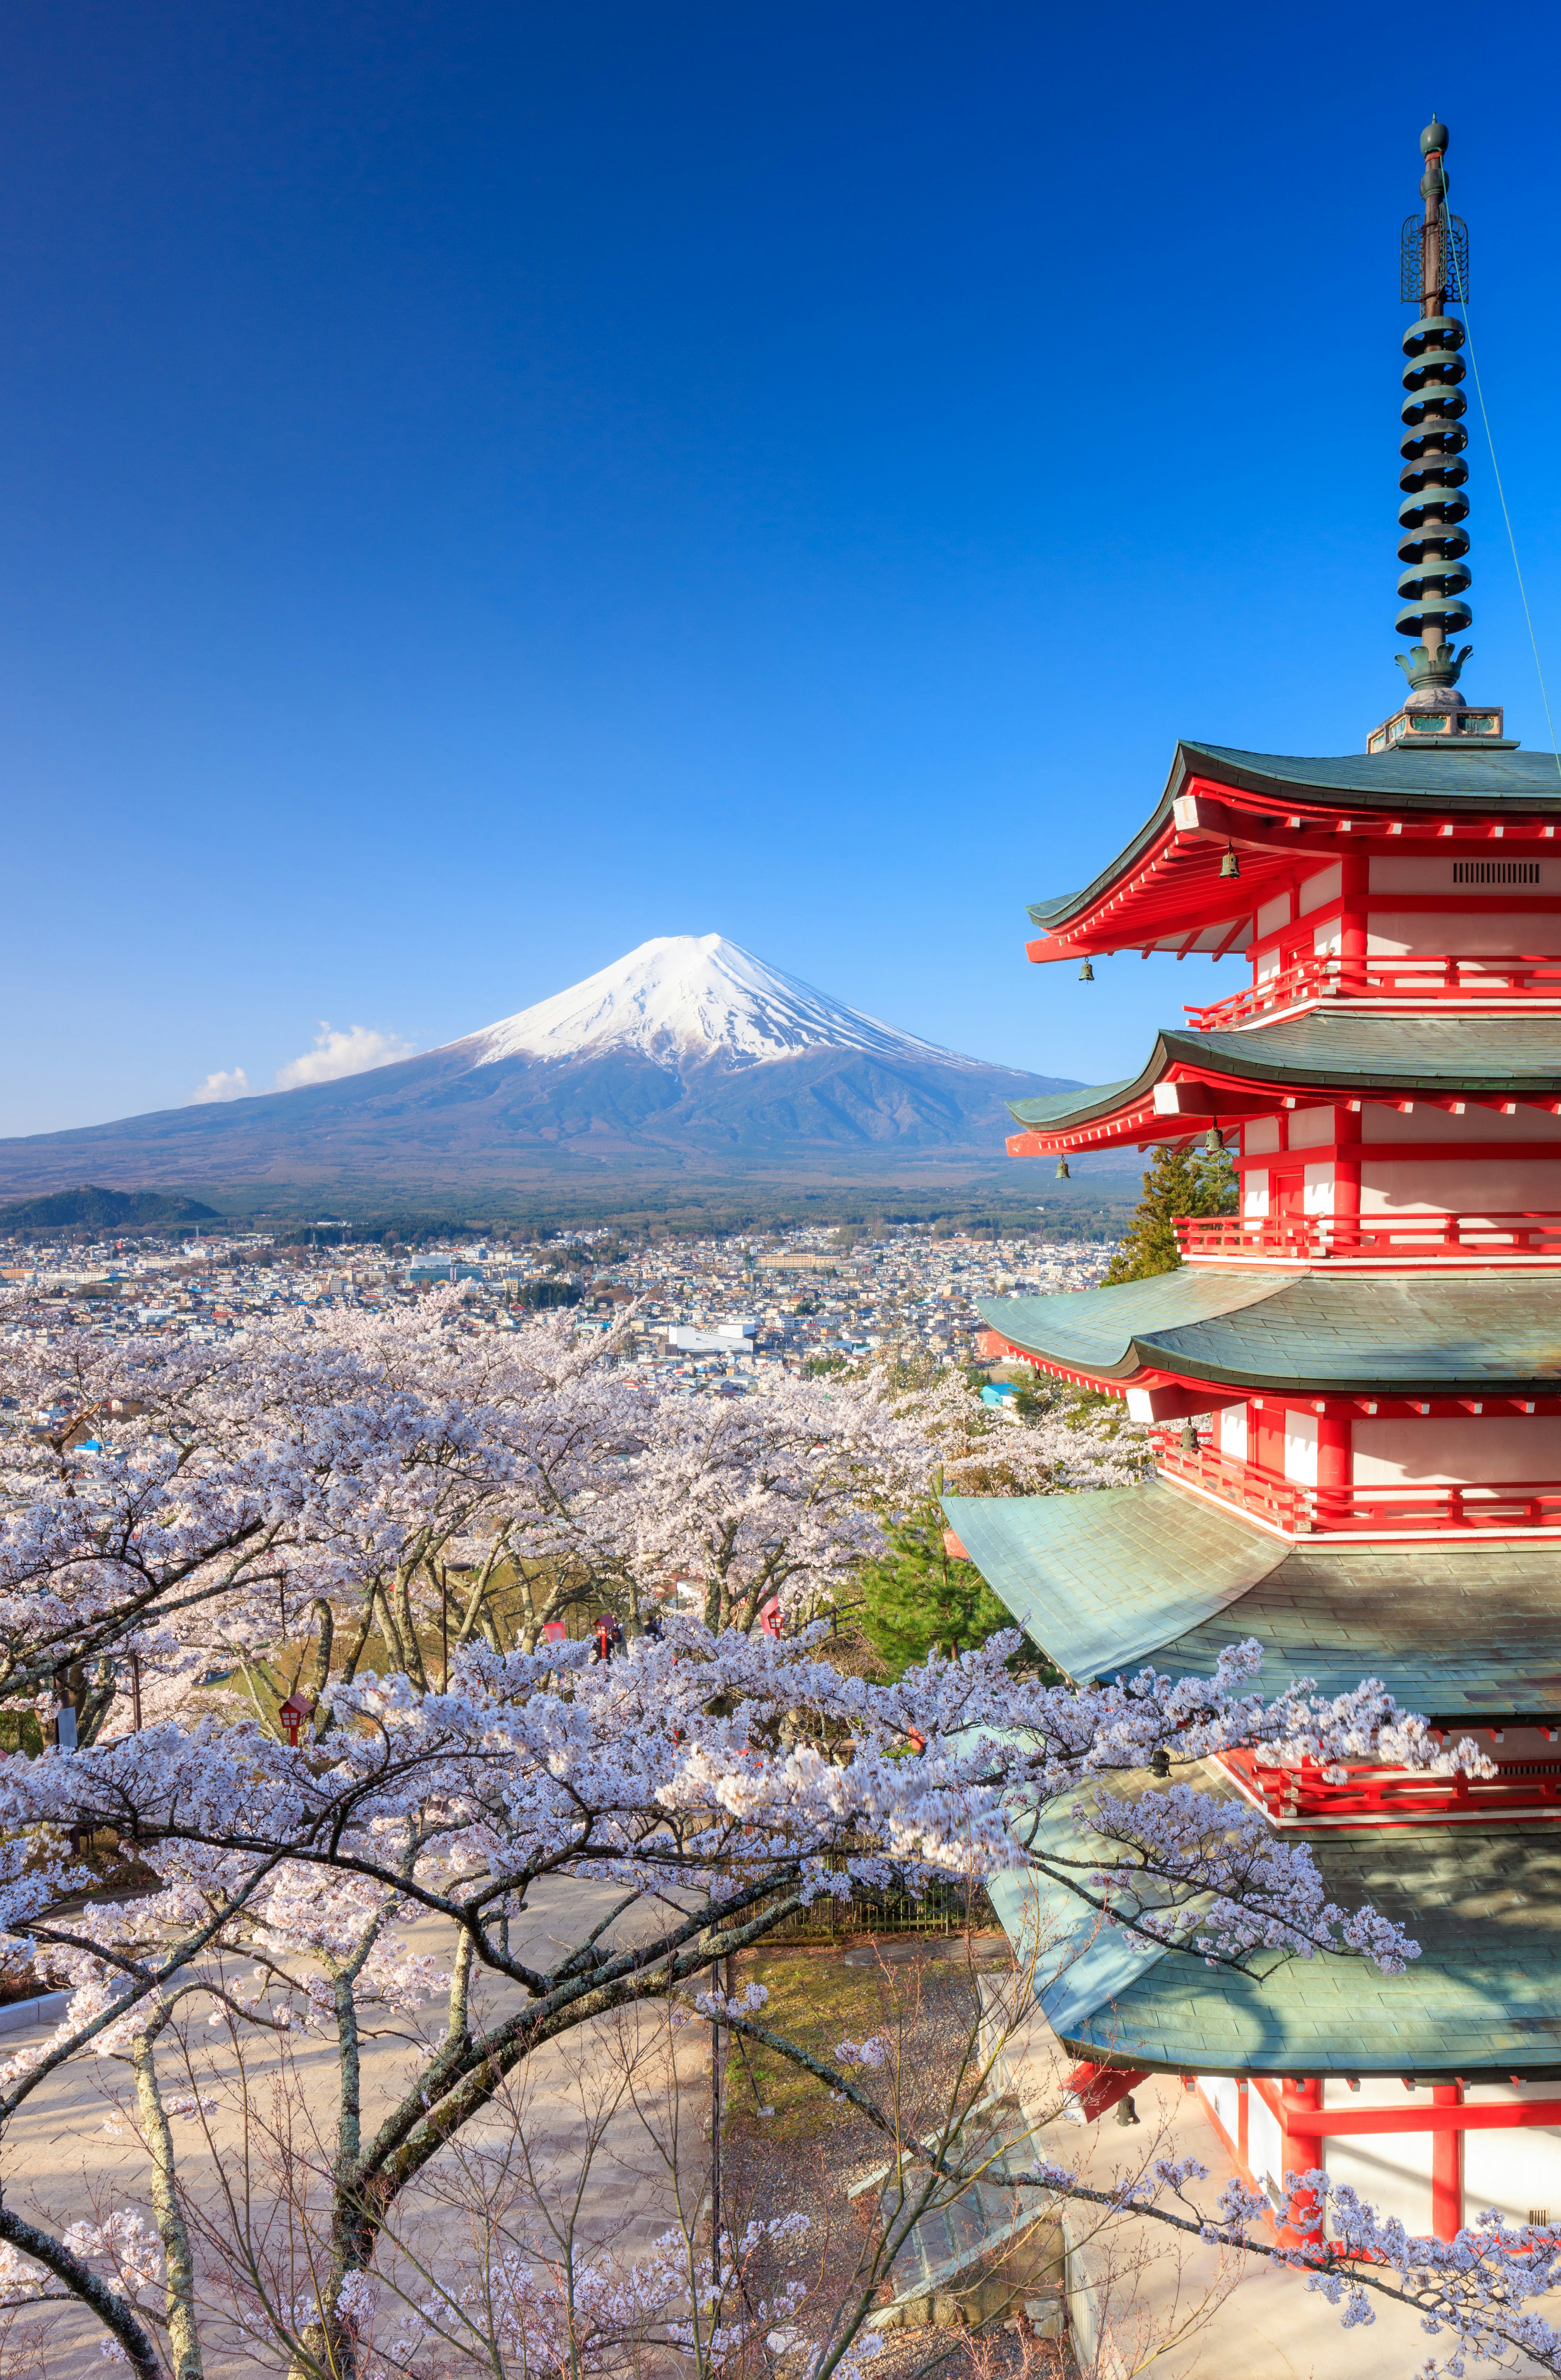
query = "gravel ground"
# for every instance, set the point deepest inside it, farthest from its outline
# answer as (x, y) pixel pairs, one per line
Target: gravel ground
(787, 2149)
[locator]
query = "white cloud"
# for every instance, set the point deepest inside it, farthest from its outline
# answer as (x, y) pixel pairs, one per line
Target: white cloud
(337, 1052)
(232, 1083)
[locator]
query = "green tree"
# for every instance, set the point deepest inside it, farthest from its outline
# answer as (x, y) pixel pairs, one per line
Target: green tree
(916, 1597)
(1181, 1182)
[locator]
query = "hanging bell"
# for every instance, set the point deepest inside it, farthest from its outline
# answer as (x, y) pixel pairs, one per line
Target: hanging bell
(1215, 1145)
(1229, 865)
(1086, 973)
(1062, 1173)
(1189, 1439)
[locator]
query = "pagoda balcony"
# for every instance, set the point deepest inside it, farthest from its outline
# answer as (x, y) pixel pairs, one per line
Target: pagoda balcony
(1393, 1242)
(1418, 983)
(1368, 1795)
(1291, 1509)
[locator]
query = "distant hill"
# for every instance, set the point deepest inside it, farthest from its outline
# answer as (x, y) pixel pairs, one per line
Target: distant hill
(103, 1209)
(688, 1060)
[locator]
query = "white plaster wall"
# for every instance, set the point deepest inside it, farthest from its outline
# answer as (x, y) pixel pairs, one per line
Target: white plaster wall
(1404, 933)
(1261, 1136)
(1262, 2143)
(1371, 2091)
(1255, 1193)
(1391, 2170)
(1494, 1186)
(1224, 2096)
(1450, 1450)
(1425, 874)
(1231, 1421)
(1383, 1124)
(1326, 885)
(1301, 1448)
(1266, 966)
(1273, 914)
(1317, 1190)
(1312, 1128)
(1327, 941)
(1518, 2172)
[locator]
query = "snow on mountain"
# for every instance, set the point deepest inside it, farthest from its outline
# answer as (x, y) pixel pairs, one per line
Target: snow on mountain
(681, 998)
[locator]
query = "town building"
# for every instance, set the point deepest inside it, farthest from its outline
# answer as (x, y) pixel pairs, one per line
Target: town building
(1354, 1384)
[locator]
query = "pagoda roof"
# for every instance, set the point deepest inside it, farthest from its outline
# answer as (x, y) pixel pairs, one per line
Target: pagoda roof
(1482, 1999)
(1105, 1583)
(1110, 1581)
(1313, 1333)
(1331, 1051)
(1163, 889)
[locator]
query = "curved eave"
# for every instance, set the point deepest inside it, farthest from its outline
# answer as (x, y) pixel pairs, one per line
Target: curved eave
(1193, 1080)
(1274, 809)
(1298, 1335)
(1107, 1583)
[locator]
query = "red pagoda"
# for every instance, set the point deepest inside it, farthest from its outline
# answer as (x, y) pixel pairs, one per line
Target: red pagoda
(1354, 1381)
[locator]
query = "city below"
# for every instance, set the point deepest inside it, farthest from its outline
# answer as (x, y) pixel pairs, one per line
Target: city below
(718, 1312)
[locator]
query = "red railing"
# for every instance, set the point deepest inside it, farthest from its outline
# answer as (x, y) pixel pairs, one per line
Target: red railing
(1432, 981)
(1373, 1796)
(1499, 1237)
(1300, 1510)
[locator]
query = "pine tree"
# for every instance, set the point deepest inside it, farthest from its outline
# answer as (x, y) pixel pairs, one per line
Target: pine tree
(915, 1595)
(1181, 1182)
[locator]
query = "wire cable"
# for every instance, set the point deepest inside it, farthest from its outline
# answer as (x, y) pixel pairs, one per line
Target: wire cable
(1462, 296)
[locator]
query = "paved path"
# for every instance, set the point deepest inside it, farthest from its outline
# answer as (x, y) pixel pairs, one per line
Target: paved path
(599, 2136)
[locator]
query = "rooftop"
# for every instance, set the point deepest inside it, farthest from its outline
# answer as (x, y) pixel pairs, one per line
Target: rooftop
(1324, 1051)
(1310, 1333)
(1480, 2002)
(1164, 888)
(1108, 1581)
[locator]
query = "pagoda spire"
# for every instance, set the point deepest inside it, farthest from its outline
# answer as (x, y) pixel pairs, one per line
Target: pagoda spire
(1432, 539)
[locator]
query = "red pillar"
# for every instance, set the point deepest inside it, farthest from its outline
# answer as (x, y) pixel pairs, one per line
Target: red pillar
(1302, 2151)
(1334, 1463)
(1347, 1180)
(1266, 1437)
(1355, 882)
(1447, 2167)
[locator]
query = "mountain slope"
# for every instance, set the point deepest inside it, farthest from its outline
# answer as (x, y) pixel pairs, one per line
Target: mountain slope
(690, 1059)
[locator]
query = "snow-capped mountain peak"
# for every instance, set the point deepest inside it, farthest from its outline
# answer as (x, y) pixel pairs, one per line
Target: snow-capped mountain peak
(681, 998)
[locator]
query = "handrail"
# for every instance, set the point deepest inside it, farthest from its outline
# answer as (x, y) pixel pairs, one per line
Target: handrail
(1302, 1511)
(1371, 1795)
(1432, 979)
(1503, 1235)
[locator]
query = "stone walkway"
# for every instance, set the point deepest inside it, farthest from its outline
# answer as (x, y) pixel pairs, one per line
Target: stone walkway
(600, 2137)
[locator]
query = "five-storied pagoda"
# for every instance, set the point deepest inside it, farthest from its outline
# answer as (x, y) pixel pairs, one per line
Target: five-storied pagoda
(1376, 1339)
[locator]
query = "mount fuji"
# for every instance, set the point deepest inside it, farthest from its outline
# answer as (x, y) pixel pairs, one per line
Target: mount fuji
(689, 1059)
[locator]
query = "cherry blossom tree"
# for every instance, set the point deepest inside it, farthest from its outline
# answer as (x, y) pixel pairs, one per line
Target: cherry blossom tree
(197, 1511)
(702, 1780)
(207, 1515)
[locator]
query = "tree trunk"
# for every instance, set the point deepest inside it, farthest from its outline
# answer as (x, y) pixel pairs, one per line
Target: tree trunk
(177, 2261)
(116, 2314)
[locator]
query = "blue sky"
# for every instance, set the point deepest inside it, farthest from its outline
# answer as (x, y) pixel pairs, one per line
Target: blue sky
(483, 485)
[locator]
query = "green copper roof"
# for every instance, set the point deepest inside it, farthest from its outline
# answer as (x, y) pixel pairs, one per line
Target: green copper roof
(1327, 1050)
(1100, 1581)
(1104, 1583)
(1311, 1334)
(1391, 780)
(1482, 1999)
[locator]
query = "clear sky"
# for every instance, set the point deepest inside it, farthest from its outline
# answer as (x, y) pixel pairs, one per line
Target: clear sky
(481, 485)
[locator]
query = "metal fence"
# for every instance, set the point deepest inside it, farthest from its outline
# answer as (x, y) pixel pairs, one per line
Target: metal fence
(941, 1910)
